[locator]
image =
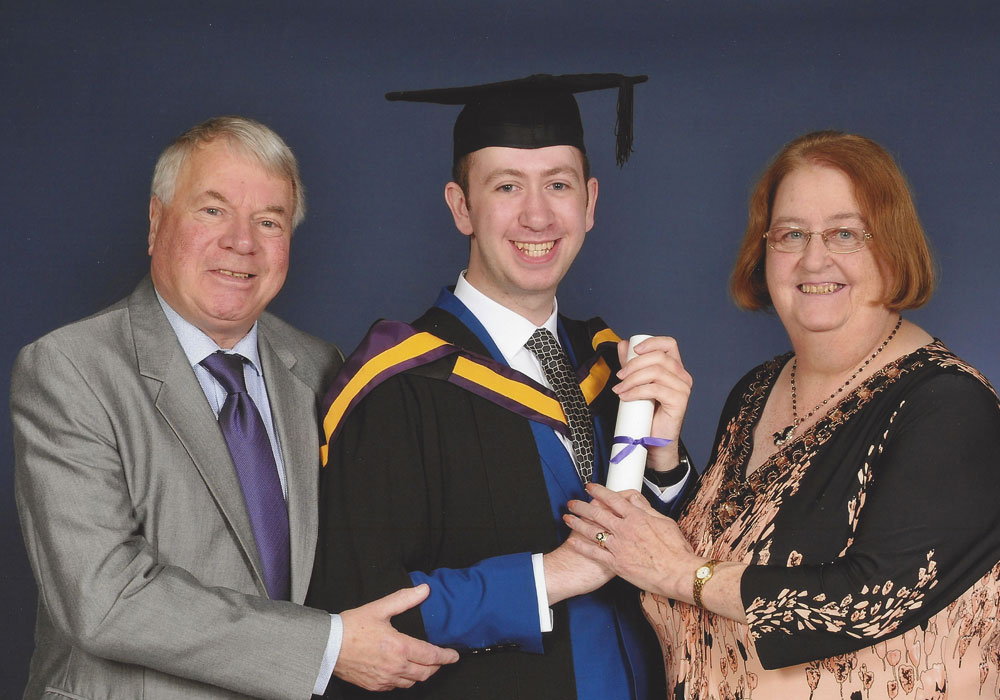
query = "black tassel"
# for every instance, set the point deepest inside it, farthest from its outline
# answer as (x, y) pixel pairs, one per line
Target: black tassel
(623, 123)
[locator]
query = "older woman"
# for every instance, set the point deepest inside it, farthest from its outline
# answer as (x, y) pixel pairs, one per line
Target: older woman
(844, 541)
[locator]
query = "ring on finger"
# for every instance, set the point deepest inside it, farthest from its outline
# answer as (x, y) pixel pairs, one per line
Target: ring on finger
(601, 538)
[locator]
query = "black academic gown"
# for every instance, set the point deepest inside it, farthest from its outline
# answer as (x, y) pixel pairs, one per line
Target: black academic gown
(425, 474)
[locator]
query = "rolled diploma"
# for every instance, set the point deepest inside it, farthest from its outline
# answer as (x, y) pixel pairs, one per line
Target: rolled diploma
(635, 419)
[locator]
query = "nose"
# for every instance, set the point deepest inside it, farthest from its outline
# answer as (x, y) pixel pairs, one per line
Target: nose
(816, 254)
(239, 237)
(536, 213)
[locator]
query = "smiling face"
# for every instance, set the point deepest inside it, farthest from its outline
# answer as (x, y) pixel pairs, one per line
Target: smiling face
(816, 290)
(219, 248)
(527, 213)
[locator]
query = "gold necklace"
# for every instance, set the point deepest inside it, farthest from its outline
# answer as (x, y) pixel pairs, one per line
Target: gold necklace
(786, 434)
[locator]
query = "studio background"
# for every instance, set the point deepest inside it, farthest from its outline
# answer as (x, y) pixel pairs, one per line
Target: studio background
(93, 91)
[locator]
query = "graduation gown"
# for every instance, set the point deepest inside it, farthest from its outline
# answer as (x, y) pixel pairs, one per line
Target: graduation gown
(425, 479)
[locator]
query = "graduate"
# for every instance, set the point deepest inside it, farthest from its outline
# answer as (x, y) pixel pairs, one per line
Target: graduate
(454, 442)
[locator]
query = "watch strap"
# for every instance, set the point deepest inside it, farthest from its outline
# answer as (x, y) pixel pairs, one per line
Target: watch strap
(701, 579)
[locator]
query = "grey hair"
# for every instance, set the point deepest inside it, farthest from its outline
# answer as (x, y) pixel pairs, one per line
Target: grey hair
(250, 137)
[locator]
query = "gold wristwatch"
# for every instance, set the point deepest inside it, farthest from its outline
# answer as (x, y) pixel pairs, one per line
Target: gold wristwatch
(701, 576)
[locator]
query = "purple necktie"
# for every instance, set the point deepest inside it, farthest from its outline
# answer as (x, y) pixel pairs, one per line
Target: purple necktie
(250, 448)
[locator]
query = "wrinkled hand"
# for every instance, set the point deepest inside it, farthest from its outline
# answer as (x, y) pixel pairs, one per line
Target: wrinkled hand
(642, 546)
(377, 657)
(568, 572)
(657, 373)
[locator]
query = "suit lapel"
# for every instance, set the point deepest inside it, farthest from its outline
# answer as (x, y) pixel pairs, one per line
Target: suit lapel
(293, 410)
(182, 403)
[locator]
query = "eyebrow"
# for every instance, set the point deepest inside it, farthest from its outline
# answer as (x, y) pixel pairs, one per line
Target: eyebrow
(514, 172)
(272, 208)
(503, 172)
(216, 195)
(844, 216)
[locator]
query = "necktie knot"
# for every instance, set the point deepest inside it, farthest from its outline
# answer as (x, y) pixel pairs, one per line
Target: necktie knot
(227, 370)
(544, 346)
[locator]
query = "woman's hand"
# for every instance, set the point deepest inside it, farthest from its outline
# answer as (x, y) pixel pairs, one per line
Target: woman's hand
(640, 545)
(649, 550)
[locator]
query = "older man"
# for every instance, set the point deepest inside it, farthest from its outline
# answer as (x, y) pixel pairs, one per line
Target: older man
(166, 461)
(455, 442)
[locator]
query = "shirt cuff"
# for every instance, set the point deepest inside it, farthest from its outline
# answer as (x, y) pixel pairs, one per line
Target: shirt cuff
(668, 493)
(330, 655)
(544, 612)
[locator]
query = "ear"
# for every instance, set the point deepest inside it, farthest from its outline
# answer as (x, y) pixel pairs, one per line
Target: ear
(155, 214)
(455, 198)
(591, 201)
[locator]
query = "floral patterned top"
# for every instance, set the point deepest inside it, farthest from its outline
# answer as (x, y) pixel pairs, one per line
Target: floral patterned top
(873, 540)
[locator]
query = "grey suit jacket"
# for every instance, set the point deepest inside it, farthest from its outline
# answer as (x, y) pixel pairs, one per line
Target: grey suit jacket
(150, 585)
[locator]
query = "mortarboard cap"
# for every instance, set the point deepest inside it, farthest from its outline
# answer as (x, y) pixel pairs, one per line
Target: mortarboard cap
(531, 112)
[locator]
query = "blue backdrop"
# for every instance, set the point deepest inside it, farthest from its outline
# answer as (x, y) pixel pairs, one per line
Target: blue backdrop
(93, 91)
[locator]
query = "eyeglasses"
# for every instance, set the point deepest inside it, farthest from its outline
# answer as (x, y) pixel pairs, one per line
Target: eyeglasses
(786, 239)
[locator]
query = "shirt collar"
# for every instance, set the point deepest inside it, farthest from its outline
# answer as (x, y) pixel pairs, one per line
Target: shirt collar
(509, 330)
(197, 345)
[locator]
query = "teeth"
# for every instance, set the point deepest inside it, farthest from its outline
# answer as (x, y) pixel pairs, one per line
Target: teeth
(827, 288)
(237, 275)
(535, 250)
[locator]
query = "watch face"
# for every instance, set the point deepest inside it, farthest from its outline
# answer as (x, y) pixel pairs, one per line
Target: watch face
(702, 572)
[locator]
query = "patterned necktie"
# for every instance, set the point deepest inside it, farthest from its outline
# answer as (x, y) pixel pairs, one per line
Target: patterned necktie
(250, 448)
(560, 375)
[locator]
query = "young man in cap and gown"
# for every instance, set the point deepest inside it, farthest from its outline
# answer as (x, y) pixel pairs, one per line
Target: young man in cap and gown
(454, 442)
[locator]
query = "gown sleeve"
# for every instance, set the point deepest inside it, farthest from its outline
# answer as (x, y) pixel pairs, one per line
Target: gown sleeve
(927, 528)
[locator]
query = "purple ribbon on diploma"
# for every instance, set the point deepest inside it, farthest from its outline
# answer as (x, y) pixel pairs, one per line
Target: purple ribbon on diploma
(632, 443)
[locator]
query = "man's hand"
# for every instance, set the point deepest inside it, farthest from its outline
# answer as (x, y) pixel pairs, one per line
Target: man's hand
(657, 373)
(569, 573)
(377, 657)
